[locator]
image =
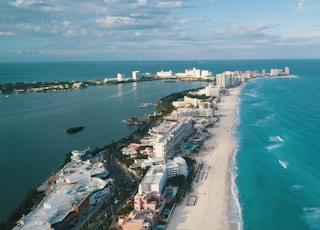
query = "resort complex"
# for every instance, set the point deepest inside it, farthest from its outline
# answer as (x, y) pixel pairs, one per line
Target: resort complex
(198, 123)
(81, 183)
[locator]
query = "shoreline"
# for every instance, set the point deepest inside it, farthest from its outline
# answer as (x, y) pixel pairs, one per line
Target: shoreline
(216, 203)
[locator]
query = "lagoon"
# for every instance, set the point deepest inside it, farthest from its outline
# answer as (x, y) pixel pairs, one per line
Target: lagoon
(33, 136)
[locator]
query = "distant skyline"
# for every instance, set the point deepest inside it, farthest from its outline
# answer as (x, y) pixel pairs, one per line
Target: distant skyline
(98, 30)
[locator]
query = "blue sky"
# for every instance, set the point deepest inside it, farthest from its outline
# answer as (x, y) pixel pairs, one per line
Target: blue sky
(65, 30)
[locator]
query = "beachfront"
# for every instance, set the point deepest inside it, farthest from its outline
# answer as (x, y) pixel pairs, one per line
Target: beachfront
(212, 190)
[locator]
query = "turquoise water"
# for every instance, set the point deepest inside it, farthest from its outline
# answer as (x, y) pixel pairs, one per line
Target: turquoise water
(279, 151)
(190, 146)
(279, 120)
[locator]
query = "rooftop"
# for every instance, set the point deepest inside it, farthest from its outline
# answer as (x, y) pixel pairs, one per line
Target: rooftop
(70, 187)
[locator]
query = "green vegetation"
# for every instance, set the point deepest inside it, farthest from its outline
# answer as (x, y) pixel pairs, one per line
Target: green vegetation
(165, 106)
(74, 129)
(67, 159)
(116, 82)
(202, 97)
(26, 87)
(126, 209)
(170, 81)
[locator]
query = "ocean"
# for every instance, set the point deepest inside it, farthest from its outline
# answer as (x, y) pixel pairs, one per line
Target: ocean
(277, 136)
(278, 151)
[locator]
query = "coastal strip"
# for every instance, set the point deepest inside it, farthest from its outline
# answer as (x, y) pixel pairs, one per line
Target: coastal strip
(212, 191)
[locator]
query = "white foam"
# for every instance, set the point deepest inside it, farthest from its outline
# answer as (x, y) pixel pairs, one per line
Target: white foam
(235, 211)
(269, 117)
(296, 187)
(264, 120)
(251, 94)
(273, 139)
(284, 164)
(276, 139)
(279, 138)
(312, 217)
(275, 146)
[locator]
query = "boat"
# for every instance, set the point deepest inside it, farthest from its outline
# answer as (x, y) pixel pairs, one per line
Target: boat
(145, 105)
(132, 121)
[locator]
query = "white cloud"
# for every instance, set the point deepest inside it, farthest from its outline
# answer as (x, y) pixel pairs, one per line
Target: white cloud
(234, 46)
(66, 23)
(300, 39)
(113, 21)
(6, 33)
(184, 21)
(169, 5)
(160, 25)
(24, 3)
(142, 2)
(29, 27)
(49, 8)
(301, 4)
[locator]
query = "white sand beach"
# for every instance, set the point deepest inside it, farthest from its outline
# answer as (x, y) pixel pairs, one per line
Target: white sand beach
(211, 190)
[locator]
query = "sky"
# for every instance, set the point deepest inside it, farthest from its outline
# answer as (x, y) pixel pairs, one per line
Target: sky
(106, 30)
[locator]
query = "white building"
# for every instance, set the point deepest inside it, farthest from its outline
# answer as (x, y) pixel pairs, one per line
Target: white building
(287, 70)
(165, 74)
(157, 175)
(68, 194)
(192, 72)
(275, 72)
(135, 75)
(206, 73)
(212, 90)
(192, 113)
(176, 166)
(228, 79)
(264, 72)
(221, 80)
(154, 180)
(280, 72)
(187, 102)
(168, 141)
(120, 77)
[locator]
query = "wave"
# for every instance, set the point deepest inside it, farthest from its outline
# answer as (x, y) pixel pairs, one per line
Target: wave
(264, 120)
(258, 104)
(251, 94)
(284, 164)
(296, 187)
(276, 139)
(275, 146)
(269, 117)
(235, 211)
(312, 217)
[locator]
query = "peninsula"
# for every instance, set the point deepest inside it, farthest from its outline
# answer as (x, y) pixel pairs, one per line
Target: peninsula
(179, 163)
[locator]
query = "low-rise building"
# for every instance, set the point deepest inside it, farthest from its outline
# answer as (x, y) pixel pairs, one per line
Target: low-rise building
(212, 90)
(165, 74)
(69, 193)
(193, 72)
(154, 180)
(175, 167)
